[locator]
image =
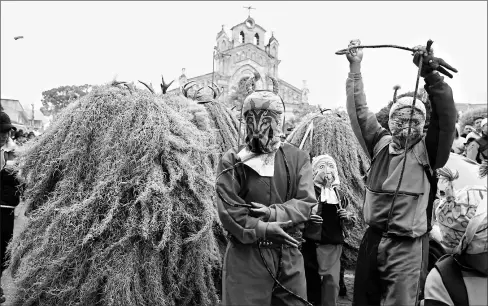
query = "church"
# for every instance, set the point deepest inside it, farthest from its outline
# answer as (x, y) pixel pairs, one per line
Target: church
(239, 56)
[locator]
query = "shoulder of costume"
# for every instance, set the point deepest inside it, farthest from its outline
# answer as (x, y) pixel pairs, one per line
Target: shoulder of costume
(291, 150)
(231, 154)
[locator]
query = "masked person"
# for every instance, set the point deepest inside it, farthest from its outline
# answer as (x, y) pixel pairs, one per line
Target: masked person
(326, 229)
(477, 149)
(460, 277)
(9, 197)
(392, 259)
(265, 196)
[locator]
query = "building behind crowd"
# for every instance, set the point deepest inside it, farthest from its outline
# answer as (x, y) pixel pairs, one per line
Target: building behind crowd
(239, 56)
(26, 120)
(463, 107)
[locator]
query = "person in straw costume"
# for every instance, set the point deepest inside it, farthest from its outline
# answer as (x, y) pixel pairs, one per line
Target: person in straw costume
(121, 206)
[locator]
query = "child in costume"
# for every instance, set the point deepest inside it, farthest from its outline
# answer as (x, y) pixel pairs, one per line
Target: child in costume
(326, 230)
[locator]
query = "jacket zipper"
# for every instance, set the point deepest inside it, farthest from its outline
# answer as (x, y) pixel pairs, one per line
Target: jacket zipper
(393, 192)
(391, 204)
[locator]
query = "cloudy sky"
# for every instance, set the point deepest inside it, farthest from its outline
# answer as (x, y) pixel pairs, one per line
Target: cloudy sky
(75, 43)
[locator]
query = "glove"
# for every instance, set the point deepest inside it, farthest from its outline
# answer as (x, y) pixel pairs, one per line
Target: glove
(429, 62)
(343, 214)
(316, 219)
(276, 234)
(260, 211)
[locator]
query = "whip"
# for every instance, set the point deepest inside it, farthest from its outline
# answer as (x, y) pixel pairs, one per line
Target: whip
(345, 51)
(239, 162)
(435, 64)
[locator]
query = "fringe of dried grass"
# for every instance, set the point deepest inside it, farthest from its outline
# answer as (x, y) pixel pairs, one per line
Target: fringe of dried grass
(121, 205)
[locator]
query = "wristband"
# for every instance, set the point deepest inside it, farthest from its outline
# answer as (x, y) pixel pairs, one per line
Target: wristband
(266, 230)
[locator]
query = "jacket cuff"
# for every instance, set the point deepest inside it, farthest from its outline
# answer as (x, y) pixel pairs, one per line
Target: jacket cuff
(354, 76)
(261, 229)
(272, 215)
(433, 78)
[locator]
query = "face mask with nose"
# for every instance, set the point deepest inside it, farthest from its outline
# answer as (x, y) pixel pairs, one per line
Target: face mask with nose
(264, 116)
(262, 130)
(325, 177)
(399, 120)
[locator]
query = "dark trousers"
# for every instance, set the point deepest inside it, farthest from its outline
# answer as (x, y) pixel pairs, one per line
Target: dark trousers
(390, 270)
(312, 272)
(7, 228)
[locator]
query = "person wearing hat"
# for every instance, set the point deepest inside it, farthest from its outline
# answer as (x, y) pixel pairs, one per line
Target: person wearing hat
(458, 143)
(392, 258)
(9, 197)
(460, 277)
(265, 195)
(477, 149)
(325, 232)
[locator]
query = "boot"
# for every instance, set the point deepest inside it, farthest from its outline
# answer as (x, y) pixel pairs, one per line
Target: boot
(342, 285)
(2, 297)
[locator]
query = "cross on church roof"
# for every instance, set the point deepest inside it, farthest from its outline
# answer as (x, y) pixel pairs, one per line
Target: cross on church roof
(249, 8)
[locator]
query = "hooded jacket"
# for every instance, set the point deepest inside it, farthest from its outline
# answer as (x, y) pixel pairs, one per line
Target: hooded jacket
(408, 217)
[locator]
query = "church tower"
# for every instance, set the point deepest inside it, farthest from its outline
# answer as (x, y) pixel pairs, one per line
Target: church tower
(240, 54)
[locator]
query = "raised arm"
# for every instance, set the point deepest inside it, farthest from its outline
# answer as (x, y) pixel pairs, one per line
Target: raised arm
(441, 132)
(442, 127)
(366, 127)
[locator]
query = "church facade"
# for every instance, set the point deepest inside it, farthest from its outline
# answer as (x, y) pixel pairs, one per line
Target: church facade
(241, 55)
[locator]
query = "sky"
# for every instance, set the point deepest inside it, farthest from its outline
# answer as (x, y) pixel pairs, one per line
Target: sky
(75, 43)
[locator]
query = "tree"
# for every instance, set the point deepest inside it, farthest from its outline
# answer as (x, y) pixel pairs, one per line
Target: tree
(238, 94)
(54, 100)
(468, 117)
(300, 112)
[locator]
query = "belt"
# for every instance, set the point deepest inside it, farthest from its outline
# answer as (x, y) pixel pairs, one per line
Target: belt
(384, 234)
(267, 244)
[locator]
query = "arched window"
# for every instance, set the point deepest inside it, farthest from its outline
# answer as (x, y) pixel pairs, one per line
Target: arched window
(256, 39)
(223, 45)
(243, 40)
(274, 51)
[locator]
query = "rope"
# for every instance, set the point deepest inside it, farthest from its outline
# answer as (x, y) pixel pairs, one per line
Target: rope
(277, 282)
(406, 143)
(344, 51)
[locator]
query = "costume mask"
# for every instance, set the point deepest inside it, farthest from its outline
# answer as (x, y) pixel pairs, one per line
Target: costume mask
(325, 177)
(399, 118)
(262, 128)
(264, 114)
(463, 221)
